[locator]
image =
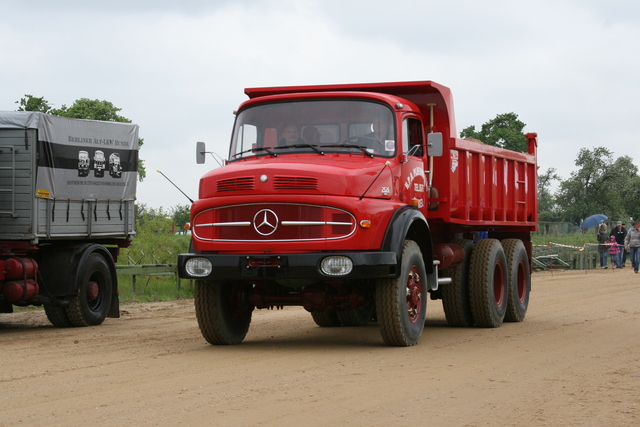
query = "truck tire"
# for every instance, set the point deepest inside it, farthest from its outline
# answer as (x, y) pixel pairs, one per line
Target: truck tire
(356, 316)
(57, 316)
(519, 275)
(222, 316)
(95, 289)
(455, 296)
(401, 303)
(325, 319)
(488, 288)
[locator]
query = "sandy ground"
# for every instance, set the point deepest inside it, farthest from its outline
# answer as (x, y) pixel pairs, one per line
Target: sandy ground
(574, 361)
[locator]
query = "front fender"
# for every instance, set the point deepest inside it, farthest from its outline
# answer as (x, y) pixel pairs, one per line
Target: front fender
(409, 223)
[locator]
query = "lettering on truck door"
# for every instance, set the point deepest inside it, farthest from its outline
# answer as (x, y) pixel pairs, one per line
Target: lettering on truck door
(414, 184)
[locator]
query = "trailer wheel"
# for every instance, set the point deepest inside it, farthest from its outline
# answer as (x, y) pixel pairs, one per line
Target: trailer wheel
(95, 289)
(455, 296)
(57, 316)
(222, 313)
(519, 275)
(325, 319)
(401, 303)
(488, 283)
(356, 316)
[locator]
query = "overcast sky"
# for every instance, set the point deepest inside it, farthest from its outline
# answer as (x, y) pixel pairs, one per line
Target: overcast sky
(569, 69)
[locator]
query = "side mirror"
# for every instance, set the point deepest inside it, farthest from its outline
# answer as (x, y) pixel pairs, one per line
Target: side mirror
(200, 152)
(434, 144)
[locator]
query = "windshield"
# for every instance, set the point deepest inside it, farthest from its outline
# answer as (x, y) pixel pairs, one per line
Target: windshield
(318, 126)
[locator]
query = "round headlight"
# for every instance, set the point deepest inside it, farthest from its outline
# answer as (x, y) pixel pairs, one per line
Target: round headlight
(198, 267)
(336, 265)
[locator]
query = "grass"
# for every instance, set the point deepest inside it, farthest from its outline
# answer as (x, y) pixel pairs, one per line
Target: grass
(151, 248)
(153, 288)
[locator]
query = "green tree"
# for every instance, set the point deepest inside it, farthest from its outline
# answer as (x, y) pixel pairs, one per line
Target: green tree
(505, 131)
(151, 221)
(600, 185)
(32, 103)
(82, 108)
(180, 216)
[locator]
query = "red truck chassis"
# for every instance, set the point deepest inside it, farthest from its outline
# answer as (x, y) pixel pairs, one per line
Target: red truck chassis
(354, 202)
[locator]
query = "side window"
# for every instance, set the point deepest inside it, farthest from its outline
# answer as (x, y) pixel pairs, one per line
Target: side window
(412, 136)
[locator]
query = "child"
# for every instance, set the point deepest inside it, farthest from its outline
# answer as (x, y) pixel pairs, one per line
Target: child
(614, 251)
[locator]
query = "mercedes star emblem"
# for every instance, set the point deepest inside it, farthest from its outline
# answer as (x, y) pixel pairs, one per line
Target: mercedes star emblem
(265, 222)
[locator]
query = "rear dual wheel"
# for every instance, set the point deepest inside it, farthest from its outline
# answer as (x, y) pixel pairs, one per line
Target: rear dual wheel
(95, 288)
(80, 279)
(352, 317)
(455, 295)
(488, 283)
(356, 316)
(519, 276)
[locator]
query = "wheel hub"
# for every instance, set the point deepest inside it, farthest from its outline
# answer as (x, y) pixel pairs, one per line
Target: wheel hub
(414, 294)
(93, 290)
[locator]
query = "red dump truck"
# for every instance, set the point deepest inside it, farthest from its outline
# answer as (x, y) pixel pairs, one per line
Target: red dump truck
(61, 227)
(356, 202)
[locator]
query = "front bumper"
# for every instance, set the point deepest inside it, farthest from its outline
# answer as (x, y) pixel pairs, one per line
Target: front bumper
(366, 265)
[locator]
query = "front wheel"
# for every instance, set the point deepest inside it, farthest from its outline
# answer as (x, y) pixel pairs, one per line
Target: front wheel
(401, 303)
(222, 313)
(95, 289)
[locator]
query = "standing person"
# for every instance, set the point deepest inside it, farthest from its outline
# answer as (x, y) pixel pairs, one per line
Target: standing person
(620, 233)
(603, 238)
(614, 251)
(632, 244)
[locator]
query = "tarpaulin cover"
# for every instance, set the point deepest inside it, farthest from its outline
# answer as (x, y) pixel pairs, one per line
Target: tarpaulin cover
(81, 159)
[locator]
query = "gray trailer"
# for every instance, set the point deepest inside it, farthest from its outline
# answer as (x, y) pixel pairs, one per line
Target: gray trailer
(62, 219)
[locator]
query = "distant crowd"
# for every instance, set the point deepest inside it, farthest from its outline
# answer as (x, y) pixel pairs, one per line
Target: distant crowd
(618, 244)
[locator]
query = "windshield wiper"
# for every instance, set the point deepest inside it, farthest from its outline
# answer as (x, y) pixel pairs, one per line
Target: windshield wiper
(253, 150)
(280, 147)
(313, 147)
(362, 148)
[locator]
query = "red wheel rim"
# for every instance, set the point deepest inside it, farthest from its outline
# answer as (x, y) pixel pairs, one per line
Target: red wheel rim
(521, 284)
(414, 294)
(498, 284)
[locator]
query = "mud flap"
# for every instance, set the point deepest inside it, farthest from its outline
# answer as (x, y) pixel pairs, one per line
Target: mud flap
(114, 310)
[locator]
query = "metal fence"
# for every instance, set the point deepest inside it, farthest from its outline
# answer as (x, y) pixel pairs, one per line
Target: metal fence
(140, 263)
(554, 256)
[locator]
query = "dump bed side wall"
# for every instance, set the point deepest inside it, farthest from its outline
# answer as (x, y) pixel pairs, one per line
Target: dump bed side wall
(486, 186)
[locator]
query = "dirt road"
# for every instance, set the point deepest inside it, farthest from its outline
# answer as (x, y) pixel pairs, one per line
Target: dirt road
(574, 361)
